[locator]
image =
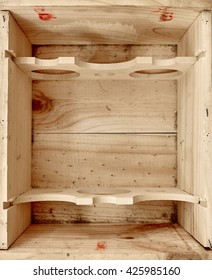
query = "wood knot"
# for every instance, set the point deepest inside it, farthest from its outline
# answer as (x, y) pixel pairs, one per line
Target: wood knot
(41, 103)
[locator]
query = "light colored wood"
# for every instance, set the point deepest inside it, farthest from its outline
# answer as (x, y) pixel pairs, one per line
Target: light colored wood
(19, 132)
(194, 130)
(15, 132)
(103, 160)
(104, 107)
(68, 68)
(103, 24)
(91, 196)
(106, 241)
(58, 106)
(151, 3)
(158, 101)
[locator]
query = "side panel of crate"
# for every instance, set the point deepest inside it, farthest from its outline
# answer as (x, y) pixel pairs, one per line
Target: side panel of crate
(15, 131)
(195, 130)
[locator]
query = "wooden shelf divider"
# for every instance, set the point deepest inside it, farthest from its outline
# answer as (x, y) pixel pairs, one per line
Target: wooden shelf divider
(90, 196)
(68, 68)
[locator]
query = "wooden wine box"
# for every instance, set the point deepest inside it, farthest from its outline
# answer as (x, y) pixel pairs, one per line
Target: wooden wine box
(105, 120)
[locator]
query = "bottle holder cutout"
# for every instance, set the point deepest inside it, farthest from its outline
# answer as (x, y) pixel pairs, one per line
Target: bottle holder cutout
(68, 68)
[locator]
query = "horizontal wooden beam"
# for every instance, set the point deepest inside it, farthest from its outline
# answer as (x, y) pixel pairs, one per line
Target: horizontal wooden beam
(68, 68)
(150, 3)
(90, 196)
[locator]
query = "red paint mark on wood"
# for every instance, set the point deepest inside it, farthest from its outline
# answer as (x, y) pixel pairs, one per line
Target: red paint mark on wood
(43, 15)
(101, 245)
(165, 13)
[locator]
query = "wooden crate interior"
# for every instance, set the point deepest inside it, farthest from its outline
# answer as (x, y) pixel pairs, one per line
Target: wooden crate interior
(105, 148)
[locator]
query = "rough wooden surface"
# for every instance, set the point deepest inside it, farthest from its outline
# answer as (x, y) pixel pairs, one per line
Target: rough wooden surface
(15, 131)
(104, 106)
(58, 108)
(104, 241)
(66, 213)
(103, 160)
(153, 3)
(105, 24)
(194, 130)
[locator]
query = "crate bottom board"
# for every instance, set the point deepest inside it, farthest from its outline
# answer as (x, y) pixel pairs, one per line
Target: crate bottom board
(105, 241)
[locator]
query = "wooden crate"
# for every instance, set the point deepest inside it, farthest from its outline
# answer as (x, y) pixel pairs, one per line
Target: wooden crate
(105, 115)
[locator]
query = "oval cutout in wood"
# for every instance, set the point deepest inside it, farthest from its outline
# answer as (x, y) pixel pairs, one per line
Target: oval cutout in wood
(156, 73)
(54, 71)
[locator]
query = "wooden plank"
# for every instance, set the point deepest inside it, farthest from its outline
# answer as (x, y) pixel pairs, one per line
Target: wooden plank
(19, 132)
(65, 213)
(102, 53)
(72, 68)
(15, 131)
(106, 241)
(103, 160)
(104, 106)
(92, 196)
(107, 24)
(23, 49)
(175, 3)
(194, 132)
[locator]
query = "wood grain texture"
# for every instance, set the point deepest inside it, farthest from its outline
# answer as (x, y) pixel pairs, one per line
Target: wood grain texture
(80, 242)
(15, 133)
(19, 132)
(66, 213)
(94, 96)
(58, 106)
(104, 106)
(194, 130)
(104, 53)
(151, 3)
(103, 160)
(106, 24)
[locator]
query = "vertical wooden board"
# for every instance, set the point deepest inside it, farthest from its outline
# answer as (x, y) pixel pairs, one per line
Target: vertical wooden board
(16, 36)
(19, 131)
(15, 132)
(194, 130)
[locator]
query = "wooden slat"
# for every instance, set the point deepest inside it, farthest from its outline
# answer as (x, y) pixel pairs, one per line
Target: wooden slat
(15, 132)
(175, 3)
(104, 106)
(104, 53)
(19, 132)
(92, 196)
(194, 130)
(65, 213)
(106, 241)
(104, 160)
(23, 49)
(72, 68)
(106, 24)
